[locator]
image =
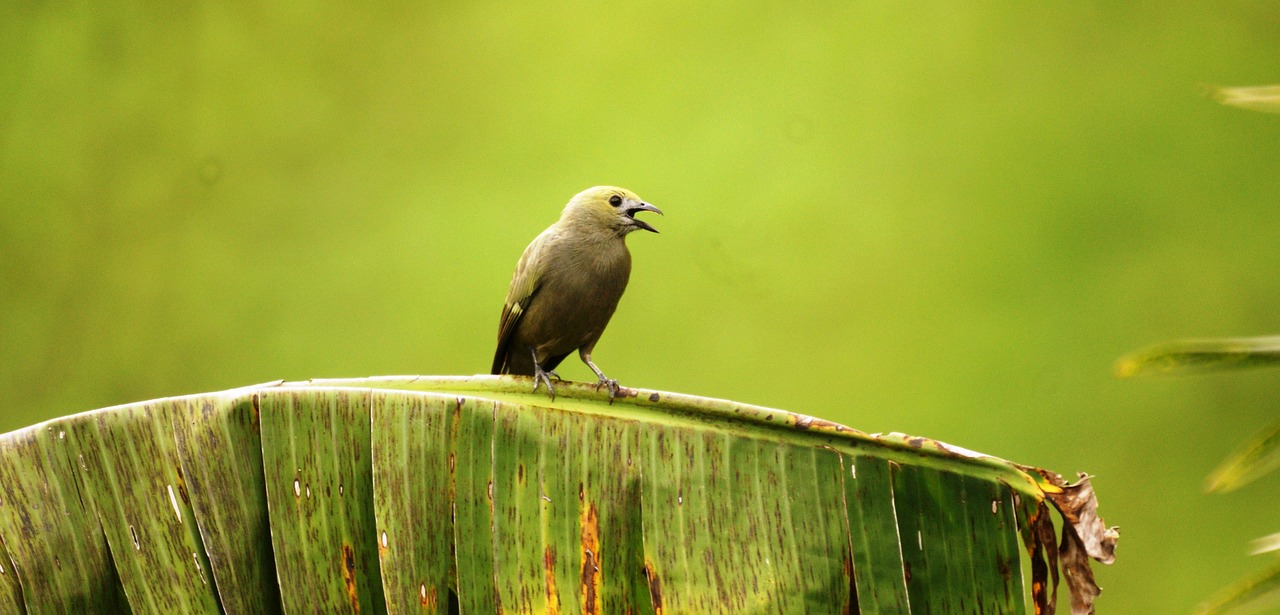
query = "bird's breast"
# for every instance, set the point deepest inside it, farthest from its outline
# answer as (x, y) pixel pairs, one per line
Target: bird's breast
(575, 300)
(593, 283)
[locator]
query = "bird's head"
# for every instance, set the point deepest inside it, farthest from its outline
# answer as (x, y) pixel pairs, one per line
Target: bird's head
(608, 208)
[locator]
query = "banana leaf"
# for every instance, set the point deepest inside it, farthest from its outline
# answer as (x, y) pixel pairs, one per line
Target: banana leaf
(476, 495)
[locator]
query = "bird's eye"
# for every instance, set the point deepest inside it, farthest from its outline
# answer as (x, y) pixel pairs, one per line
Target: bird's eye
(615, 200)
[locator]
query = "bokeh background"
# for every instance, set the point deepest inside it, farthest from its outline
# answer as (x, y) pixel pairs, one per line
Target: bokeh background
(935, 218)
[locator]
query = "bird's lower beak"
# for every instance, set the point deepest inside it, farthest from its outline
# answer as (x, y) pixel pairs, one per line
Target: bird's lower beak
(631, 213)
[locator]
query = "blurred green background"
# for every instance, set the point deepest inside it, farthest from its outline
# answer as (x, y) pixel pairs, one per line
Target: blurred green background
(933, 218)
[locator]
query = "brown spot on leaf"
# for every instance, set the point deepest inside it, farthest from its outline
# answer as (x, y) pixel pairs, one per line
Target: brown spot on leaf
(825, 424)
(906, 571)
(349, 576)
(549, 565)
(427, 597)
(654, 397)
(655, 587)
(590, 559)
(182, 486)
(520, 473)
(851, 607)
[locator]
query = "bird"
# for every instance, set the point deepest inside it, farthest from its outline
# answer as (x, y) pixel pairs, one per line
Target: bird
(566, 286)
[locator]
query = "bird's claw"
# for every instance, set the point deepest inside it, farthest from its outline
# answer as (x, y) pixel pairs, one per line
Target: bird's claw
(613, 386)
(540, 377)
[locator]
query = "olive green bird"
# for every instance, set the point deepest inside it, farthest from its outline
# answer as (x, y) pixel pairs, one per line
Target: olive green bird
(567, 285)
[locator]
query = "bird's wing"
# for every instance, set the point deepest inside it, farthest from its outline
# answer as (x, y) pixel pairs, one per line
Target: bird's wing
(524, 285)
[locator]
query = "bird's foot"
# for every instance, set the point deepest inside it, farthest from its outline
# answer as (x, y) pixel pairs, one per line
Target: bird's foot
(541, 377)
(553, 374)
(614, 387)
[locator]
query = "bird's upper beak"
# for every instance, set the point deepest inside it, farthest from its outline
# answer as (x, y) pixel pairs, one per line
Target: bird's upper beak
(631, 213)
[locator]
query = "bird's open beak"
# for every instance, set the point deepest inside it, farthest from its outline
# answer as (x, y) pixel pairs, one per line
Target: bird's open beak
(631, 213)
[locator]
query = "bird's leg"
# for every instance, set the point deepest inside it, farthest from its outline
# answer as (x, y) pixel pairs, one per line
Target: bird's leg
(540, 376)
(613, 385)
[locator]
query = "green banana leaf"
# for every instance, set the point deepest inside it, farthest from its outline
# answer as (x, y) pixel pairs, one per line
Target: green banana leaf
(1202, 355)
(1265, 98)
(1259, 455)
(1252, 595)
(476, 495)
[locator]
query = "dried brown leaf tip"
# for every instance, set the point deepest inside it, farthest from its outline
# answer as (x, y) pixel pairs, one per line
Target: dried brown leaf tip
(1084, 536)
(1079, 577)
(1037, 534)
(1079, 507)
